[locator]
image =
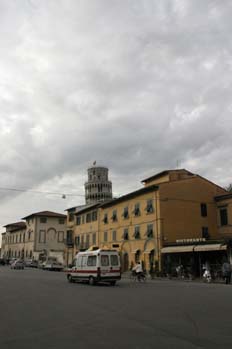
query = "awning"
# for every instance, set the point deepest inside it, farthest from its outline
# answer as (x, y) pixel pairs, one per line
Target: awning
(177, 249)
(210, 247)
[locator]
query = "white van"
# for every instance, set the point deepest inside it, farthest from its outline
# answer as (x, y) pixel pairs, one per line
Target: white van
(96, 266)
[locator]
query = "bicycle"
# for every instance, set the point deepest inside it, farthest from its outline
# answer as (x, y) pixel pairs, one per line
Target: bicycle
(137, 276)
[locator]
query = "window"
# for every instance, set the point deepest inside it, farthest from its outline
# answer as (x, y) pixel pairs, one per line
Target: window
(105, 220)
(43, 220)
(87, 240)
(149, 207)
(125, 234)
(60, 236)
(42, 236)
(125, 213)
(83, 219)
(203, 210)
(78, 261)
(94, 238)
(104, 260)
(61, 220)
(223, 216)
(137, 232)
(114, 216)
(205, 232)
(114, 260)
(78, 220)
(137, 210)
(71, 216)
(84, 261)
(88, 218)
(92, 261)
(150, 230)
(94, 216)
(114, 234)
(77, 240)
(105, 235)
(29, 235)
(69, 237)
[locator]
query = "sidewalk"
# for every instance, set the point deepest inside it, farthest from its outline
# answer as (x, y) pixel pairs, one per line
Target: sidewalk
(127, 274)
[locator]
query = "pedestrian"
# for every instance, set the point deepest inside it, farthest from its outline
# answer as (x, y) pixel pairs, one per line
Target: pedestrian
(226, 272)
(138, 270)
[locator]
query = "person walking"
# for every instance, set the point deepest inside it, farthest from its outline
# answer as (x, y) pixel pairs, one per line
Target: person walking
(226, 272)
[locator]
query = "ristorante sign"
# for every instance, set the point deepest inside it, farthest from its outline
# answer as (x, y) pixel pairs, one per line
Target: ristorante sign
(187, 241)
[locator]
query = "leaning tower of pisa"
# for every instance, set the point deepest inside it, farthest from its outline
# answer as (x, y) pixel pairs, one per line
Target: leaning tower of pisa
(98, 188)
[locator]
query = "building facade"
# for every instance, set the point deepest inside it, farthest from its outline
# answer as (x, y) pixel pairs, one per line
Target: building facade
(42, 234)
(172, 219)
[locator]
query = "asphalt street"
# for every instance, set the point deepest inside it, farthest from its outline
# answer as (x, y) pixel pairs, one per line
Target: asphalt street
(40, 309)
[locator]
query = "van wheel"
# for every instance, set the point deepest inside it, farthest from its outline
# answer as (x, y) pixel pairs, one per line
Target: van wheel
(69, 277)
(91, 281)
(112, 283)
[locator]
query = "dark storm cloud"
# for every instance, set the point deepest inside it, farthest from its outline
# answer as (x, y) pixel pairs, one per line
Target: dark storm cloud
(135, 85)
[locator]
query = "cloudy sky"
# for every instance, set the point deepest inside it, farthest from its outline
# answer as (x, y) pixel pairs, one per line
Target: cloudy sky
(139, 86)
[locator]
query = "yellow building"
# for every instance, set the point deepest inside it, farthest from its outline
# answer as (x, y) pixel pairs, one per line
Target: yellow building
(172, 219)
(224, 219)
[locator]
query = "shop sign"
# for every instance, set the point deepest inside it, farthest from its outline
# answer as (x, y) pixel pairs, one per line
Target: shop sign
(184, 241)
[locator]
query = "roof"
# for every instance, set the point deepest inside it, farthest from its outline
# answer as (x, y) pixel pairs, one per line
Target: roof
(16, 226)
(88, 207)
(130, 195)
(75, 208)
(223, 196)
(163, 173)
(46, 214)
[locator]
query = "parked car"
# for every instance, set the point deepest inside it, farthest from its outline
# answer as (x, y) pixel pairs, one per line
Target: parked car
(27, 262)
(34, 264)
(18, 264)
(53, 265)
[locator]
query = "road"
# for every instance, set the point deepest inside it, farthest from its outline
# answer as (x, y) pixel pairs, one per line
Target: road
(40, 309)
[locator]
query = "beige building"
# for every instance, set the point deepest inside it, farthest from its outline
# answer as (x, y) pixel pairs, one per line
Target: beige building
(42, 234)
(172, 219)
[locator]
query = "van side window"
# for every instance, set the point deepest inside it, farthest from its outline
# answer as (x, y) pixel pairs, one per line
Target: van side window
(92, 261)
(104, 260)
(114, 260)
